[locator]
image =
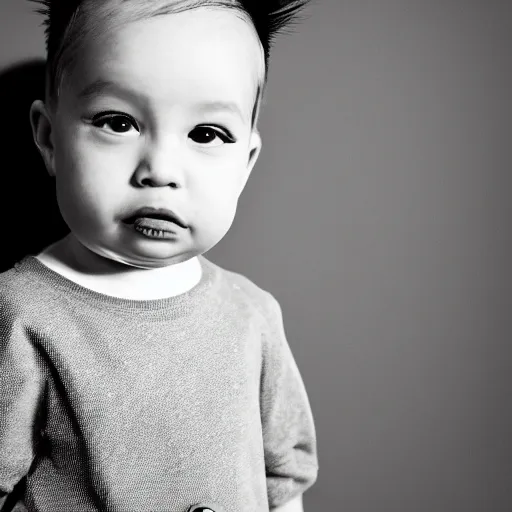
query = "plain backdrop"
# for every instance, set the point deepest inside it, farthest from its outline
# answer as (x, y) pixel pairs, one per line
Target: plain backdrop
(379, 215)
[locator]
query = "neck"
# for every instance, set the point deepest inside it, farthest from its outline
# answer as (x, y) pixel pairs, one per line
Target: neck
(71, 259)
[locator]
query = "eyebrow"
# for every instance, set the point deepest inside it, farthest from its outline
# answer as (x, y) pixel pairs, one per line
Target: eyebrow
(220, 106)
(100, 86)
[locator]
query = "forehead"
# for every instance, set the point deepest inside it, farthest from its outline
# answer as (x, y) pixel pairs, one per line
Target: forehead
(211, 54)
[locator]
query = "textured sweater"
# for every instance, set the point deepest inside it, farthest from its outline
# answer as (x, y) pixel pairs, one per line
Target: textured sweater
(118, 405)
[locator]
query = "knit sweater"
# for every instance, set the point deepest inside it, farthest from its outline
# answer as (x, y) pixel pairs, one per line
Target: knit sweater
(119, 405)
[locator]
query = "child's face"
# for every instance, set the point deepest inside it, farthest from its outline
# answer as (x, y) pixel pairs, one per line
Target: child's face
(157, 114)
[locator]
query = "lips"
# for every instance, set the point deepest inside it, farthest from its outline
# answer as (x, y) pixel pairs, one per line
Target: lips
(156, 223)
(159, 219)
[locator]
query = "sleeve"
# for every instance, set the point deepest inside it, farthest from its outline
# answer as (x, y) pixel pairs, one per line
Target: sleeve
(288, 430)
(21, 389)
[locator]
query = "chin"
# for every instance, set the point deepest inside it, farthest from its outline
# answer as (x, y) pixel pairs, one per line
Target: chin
(145, 254)
(146, 261)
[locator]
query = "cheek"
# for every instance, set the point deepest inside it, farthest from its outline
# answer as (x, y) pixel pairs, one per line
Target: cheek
(216, 191)
(227, 176)
(86, 170)
(86, 191)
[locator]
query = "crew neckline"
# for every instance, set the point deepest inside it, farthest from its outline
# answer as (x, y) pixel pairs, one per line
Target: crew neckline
(168, 307)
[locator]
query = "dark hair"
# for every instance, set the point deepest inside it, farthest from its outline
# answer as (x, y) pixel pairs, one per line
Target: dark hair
(65, 19)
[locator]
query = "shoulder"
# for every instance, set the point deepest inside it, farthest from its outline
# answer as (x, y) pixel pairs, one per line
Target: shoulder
(237, 288)
(22, 294)
(253, 303)
(13, 288)
(17, 311)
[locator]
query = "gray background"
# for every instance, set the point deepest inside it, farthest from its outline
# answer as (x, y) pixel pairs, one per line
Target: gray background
(379, 216)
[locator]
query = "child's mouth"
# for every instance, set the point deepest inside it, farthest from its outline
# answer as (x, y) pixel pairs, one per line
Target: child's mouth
(155, 228)
(156, 223)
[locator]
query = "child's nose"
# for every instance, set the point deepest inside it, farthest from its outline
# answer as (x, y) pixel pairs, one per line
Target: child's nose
(161, 168)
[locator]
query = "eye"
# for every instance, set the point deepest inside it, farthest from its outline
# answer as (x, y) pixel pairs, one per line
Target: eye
(115, 122)
(211, 136)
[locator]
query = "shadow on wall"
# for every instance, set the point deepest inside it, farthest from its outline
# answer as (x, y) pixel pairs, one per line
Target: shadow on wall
(27, 195)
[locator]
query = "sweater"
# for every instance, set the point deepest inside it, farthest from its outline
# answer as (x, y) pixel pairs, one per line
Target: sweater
(119, 405)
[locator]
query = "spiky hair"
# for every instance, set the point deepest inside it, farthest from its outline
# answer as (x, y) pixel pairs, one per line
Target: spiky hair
(269, 18)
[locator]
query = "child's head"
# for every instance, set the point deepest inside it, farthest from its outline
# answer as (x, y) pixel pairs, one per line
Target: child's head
(152, 104)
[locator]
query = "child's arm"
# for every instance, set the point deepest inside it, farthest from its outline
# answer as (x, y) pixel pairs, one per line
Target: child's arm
(287, 422)
(21, 390)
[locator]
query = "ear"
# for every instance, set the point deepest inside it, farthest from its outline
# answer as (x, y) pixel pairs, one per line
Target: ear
(254, 153)
(40, 120)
